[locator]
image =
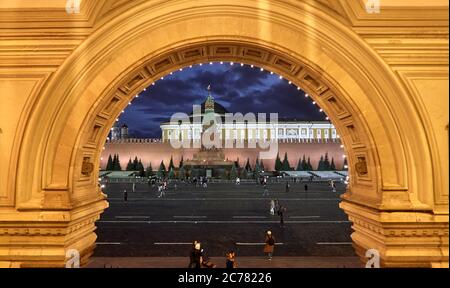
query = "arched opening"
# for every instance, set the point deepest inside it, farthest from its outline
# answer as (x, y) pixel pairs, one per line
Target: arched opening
(66, 133)
(225, 214)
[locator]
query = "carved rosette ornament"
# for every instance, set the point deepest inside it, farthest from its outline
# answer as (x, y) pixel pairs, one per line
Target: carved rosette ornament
(87, 167)
(361, 167)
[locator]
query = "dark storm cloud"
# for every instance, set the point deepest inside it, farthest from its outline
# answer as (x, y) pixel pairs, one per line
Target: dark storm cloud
(239, 89)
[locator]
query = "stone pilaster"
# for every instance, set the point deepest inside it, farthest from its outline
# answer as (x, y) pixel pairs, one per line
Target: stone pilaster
(41, 239)
(403, 239)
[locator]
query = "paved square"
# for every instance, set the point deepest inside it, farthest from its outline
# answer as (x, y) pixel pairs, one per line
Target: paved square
(223, 217)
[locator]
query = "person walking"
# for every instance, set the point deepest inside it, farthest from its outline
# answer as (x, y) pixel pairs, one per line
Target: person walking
(149, 183)
(125, 195)
(196, 256)
(192, 255)
(133, 187)
(266, 191)
(272, 207)
(269, 245)
(277, 205)
(287, 187)
(161, 190)
(231, 260)
(306, 187)
(281, 212)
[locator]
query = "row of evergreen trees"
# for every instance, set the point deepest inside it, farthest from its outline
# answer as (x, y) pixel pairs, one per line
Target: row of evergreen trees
(303, 165)
(113, 163)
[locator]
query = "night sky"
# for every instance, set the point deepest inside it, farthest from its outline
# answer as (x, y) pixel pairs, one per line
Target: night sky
(238, 89)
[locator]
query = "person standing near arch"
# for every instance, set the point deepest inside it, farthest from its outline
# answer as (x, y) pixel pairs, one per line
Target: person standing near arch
(269, 245)
(272, 207)
(266, 190)
(125, 195)
(281, 212)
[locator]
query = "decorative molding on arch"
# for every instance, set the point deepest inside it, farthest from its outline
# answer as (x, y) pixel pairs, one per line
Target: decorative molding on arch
(151, 70)
(29, 83)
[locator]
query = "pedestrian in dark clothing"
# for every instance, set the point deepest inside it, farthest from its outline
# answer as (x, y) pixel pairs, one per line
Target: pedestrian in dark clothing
(281, 212)
(192, 255)
(196, 256)
(287, 187)
(269, 245)
(306, 187)
(266, 190)
(231, 260)
(125, 195)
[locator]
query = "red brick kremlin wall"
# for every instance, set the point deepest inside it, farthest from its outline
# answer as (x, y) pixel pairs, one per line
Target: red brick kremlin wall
(155, 152)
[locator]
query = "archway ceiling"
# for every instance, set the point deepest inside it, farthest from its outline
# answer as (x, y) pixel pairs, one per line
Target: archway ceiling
(63, 36)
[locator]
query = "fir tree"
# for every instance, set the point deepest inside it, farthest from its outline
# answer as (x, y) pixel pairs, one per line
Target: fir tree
(130, 166)
(244, 174)
(248, 167)
(114, 166)
(181, 162)
(171, 166)
(308, 165)
(172, 174)
(135, 164)
(326, 163)
(109, 165)
(345, 167)
(320, 165)
(261, 164)
(116, 163)
(119, 167)
(278, 164)
(285, 165)
(299, 165)
(182, 173)
(304, 164)
(224, 175)
(149, 170)
(141, 168)
(233, 172)
(332, 166)
(161, 171)
(257, 167)
(237, 163)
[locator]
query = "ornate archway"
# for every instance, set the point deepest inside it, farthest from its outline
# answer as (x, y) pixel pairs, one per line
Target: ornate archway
(57, 198)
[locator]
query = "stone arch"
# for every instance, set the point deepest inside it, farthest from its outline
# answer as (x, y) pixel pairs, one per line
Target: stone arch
(300, 42)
